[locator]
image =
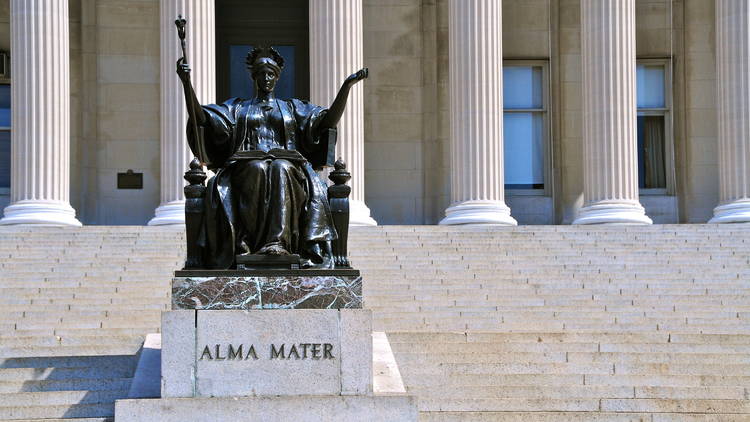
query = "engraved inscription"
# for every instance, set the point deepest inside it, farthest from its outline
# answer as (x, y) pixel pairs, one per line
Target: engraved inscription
(299, 351)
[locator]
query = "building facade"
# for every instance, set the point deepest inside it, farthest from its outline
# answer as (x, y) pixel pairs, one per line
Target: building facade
(476, 111)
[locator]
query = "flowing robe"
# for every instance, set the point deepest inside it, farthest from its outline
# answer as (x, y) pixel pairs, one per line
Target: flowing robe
(265, 191)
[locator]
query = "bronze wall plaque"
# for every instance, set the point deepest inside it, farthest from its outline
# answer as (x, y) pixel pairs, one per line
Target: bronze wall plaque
(129, 180)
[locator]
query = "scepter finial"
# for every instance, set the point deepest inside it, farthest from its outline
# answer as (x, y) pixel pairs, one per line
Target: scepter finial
(180, 24)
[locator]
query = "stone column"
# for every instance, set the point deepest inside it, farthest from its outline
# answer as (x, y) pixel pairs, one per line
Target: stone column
(733, 103)
(335, 53)
(476, 110)
(609, 114)
(40, 121)
(175, 153)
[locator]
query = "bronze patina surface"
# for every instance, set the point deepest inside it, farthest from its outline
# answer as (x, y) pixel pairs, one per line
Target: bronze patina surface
(266, 198)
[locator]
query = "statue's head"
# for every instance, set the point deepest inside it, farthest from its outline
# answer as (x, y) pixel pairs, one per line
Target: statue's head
(265, 65)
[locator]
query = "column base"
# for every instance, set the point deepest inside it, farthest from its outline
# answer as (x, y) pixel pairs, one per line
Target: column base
(171, 213)
(359, 214)
(613, 212)
(52, 213)
(732, 212)
(479, 212)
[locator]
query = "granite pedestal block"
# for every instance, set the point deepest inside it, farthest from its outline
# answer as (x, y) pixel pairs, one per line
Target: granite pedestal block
(219, 353)
(270, 409)
(267, 289)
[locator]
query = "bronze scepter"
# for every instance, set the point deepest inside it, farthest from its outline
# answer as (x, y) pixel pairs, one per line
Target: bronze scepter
(180, 23)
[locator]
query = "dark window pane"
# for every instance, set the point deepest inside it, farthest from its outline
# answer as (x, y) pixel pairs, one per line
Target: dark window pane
(4, 159)
(5, 105)
(523, 135)
(241, 84)
(651, 162)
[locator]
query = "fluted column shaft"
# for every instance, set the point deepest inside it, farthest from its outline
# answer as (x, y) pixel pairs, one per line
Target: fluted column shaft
(201, 42)
(335, 53)
(40, 114)
(476, 113)
(609, 114)
(733, 104)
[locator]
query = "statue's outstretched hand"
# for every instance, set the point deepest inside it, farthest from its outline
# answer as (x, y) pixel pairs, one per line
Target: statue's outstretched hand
(183, 70)
(358, 76)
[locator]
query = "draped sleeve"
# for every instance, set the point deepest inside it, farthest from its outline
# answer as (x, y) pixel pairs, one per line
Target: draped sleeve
(217, 139)
(313, 143)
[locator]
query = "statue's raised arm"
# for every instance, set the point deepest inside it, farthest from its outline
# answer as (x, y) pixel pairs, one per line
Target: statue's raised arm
(195, 111)
(339, 103)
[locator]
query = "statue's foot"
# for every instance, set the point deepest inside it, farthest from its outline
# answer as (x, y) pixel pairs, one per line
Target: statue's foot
(273, 249)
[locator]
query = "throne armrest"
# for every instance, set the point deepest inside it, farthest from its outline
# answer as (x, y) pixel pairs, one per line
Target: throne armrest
(325, 155)
(338, 198)
(195, 193)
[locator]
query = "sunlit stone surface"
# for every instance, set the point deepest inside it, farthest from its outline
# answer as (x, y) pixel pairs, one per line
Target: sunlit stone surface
(267, 292)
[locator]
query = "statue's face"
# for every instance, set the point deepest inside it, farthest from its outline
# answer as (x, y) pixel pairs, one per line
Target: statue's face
(265, 79)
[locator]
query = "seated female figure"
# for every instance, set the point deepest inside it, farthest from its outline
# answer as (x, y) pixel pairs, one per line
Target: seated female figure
(265, 198)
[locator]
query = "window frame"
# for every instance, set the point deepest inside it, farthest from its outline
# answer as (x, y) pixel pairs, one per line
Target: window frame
(667, 112)
(6, 191)
(546, 127)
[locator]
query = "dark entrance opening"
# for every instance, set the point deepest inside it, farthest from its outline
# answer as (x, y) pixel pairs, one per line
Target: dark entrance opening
(242, 25)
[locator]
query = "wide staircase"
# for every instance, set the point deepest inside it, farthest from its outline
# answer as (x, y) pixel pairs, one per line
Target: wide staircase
(550, 323)
(75, 307)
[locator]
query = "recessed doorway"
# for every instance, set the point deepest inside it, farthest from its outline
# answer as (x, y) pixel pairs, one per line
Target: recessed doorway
(242, 25)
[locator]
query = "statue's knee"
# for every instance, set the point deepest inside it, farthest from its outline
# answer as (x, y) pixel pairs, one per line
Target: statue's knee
(281, 166)
(256, 167)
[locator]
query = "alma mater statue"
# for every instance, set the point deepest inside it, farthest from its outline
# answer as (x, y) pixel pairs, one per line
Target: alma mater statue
(266, 197)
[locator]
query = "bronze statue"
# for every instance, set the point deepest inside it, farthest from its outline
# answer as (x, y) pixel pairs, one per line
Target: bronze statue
(266, 197)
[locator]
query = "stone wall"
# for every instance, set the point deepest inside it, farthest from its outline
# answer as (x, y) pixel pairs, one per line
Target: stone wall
(394, 186)
(697, 164)
(121, 112)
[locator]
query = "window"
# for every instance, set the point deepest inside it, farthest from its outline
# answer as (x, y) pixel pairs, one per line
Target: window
(525, 127)
(653, 127)
(4, 138)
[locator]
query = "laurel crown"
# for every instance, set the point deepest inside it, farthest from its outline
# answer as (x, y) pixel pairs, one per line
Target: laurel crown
(261, 52)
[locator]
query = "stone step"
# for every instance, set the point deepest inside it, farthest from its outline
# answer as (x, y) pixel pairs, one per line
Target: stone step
(467, 356)
(18, 374)
(88, 350)
(69, 362)
(69, 341)
(66, 420)
(595, 392)
(590, 405)
(62, 411)
(65, 385)
(486, 416)
(60, 398)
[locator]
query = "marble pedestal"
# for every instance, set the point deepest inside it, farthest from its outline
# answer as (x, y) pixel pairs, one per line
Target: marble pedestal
(267, 289)
(266, 352)
(268, 345)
